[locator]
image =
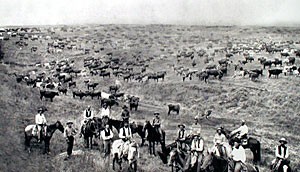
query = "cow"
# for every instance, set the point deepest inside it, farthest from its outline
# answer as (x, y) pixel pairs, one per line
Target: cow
(290, 61)
(289, 69)
(93, 94)
(79, 94)
(223, 62)
(48, 94)
(249, 58)
(277, 62)
(275, 72)
(104, 74)
(215, 73)
(92, 85)
(110, 101)
(284, 54)
(113, 88)
(267, 63)
(175, 108)
(258, 71)
(62, 90)
(134, 102)
(253, 75)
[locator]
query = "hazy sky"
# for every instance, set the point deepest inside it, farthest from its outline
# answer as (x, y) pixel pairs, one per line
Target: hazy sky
(212, 12)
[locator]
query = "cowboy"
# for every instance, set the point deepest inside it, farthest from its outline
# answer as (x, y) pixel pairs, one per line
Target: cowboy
(88, 114)
(105, 111)
(282, 154)
(156, 122)
(196, 127)
(238, 156)
(197, 148)
(69, 134)
(125, 114)
(219, 140)
(40, 122)
(133, 155)
(125, 132)
(242, 131)
(107, 135)
(181, 135)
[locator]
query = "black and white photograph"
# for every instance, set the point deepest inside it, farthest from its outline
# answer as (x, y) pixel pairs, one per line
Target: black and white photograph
(150, 85)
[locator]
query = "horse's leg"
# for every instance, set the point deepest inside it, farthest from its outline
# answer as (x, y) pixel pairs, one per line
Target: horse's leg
(113, 163)
(149, 147)
(153, 146)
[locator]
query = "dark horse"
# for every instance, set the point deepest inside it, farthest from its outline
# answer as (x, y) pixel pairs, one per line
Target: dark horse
(252, 143)
(154, 136)
(212, 163)
(50, 129)
(89, 130)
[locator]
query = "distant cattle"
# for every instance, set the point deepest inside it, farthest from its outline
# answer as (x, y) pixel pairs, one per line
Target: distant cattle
(275, 72)
(92, 85)
(79, 94)
(62, 90)
(175, 108)
(284, 54)
(48, 94)
(72, 84)
(290, 61)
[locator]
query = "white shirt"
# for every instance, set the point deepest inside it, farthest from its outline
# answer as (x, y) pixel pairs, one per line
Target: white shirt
(239, 154)
(40, 119)
(197, 145)
(105, 112)
(242, 129)
(127, 134)
(218, 139)
(104, 137)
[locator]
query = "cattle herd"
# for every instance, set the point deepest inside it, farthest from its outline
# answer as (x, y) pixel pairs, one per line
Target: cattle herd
(67, 64)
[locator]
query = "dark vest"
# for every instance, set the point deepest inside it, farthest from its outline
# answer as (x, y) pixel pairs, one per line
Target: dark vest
(88, 113)
(284, 150)
(181, 134)
(107, 133)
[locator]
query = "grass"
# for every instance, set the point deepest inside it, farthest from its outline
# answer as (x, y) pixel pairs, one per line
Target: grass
(270, 106)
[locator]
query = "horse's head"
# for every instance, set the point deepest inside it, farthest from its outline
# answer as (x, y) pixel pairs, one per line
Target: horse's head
(173, 155)
(146, 125)
(207, 161)
(59, 126)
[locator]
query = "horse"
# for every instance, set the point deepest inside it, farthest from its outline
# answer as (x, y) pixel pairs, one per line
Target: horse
(212, 163)
(175, 108)
(282, 166)
(89, 130)
(119, 151)
(50, 129)
(252, 143)
(153, 136)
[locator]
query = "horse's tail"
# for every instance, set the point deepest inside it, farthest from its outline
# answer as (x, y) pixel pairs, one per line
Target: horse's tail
(258, 152)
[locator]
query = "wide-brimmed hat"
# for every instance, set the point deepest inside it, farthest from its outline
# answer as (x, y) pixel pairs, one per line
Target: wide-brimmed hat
(40, 109)
(283, 140)
(156, 113)
(219, 128)
(181, 125)
(237, 140)
(69, 122)
(124, 107)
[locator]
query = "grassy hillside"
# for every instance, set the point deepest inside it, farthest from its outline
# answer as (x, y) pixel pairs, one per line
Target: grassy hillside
(270, 106)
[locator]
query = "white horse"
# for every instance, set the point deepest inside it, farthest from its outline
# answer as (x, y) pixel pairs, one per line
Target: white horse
(119, 151)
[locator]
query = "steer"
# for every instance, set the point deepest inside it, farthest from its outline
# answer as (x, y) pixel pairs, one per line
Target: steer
(48, 94)
(175, 108)
(275, 72)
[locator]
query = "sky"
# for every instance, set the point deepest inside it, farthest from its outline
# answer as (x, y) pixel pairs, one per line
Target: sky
(181, 12)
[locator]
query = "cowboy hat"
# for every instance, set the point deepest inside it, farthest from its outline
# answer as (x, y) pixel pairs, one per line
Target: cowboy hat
(181, 125)
(124, 107)
(69, 122)
(156, 113)
(283, 140)
(237, 140)
(219, 128)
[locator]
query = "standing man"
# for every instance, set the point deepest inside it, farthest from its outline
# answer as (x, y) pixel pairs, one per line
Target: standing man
(105, 111)
(238, 156)
(40, 122)
(282, 154)
(197, 148)
(107, 135)
(69, 134)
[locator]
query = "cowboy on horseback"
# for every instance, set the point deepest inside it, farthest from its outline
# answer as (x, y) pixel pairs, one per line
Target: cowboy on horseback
(156, 122)
(241, 132)
(125, 114)
(40, 122)
(196, 127)
(105, 113)
(181, 135)
(282, 154)
(238, 156)
(219, 140)
(197, 148)
(125, 134)
(88, 114)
